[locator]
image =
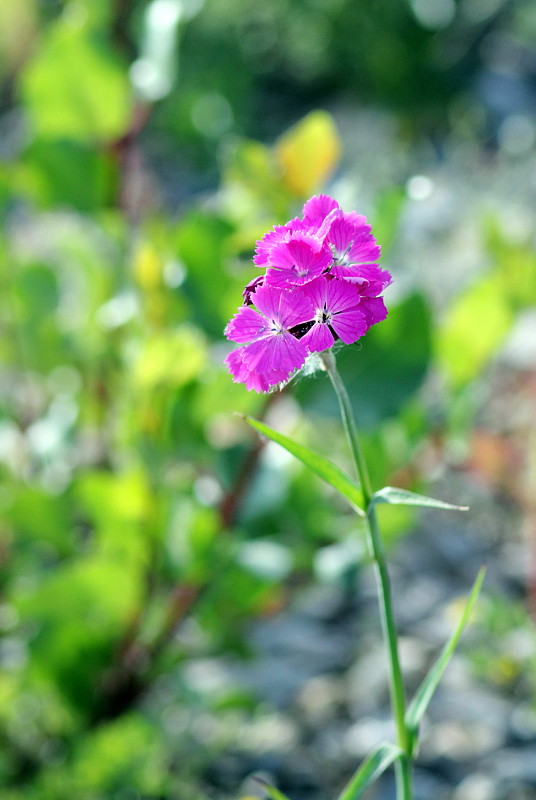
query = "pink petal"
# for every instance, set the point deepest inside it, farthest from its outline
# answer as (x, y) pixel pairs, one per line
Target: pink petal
(253, 380)
(273, 237)
(287, 279)
(319, 338)
(341, 296)
(335, 295)
(374, 309)
(317, 208)
(295, 308)
(245, 326)
(278, 352)
(365, 249)
(301, 257)
(317, 292)
(369, 278)
(267, 299)
(349, 325)
(235, 364)
(341, 233)
(262, 383)
(351, 237)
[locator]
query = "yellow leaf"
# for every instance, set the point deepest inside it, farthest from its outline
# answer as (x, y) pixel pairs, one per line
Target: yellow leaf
(473, 329)
(308, 153)
(170, 359)
(147, 266)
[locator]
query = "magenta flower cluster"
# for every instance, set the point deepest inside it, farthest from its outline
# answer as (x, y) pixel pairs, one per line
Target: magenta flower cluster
(322, 283)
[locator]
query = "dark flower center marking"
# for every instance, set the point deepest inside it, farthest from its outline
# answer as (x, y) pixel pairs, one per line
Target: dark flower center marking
(304, 327)
(300, 330)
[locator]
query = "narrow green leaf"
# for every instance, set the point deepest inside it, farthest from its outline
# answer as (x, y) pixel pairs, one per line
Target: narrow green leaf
(425, 692)
(318, 464)
(401, 497)
(370, 770)
(270, 790)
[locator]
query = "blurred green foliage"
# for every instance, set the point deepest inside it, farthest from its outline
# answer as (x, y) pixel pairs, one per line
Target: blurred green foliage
(132, 498)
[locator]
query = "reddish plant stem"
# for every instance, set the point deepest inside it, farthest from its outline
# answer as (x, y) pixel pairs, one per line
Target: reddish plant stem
(230, 504)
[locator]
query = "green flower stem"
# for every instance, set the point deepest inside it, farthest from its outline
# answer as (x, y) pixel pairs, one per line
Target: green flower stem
(396, 685)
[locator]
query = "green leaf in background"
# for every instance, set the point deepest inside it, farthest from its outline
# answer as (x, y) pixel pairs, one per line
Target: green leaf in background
(170, 359)
(516, 263)
(401, 497)
(425, 692)
(325, 469)
(250, 184)
(387, 216)
(202, 242)
(125, 751)
(383, 370)
(65, 172)
(370, 770)
(74, 87)
(473, 329)
(120, 506)
(79, 612)
(42, 521)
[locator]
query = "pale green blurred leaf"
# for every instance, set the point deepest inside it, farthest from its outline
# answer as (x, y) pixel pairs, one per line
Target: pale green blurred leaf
(170, 359)
(252, 190)
(516, 264)
(386, 217)
(213, 293)
(41, 518)
(126, 752)
(65, 172)
(79, 613)
(121, 508)
(191, 540)
(473, 329)
(74, 87)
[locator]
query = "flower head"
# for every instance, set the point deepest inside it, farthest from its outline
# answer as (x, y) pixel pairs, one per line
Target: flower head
(322, 284)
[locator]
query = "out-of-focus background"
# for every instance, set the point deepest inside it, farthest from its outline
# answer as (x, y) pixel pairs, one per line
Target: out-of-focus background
(182, 606)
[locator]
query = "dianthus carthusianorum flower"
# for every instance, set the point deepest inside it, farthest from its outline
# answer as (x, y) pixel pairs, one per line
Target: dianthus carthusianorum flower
(322, 283)
(270, 352)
